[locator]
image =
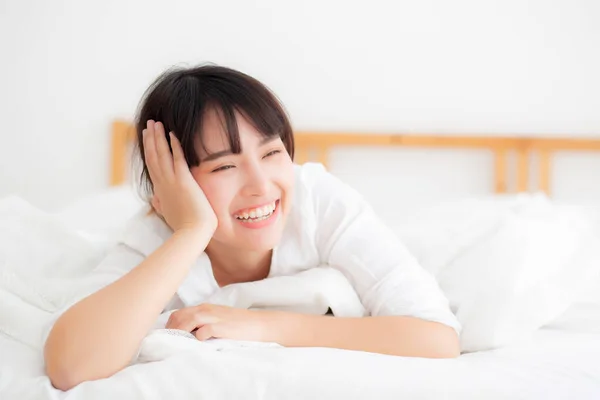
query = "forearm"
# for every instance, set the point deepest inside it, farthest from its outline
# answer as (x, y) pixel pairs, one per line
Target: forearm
(99, 335)
(395, 335)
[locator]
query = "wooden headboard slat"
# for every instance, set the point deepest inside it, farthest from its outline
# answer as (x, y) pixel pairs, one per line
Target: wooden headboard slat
(500, 185)
(122, 135)
(522, 169)
(544, 163)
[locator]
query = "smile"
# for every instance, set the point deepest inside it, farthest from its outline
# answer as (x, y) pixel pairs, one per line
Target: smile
(258, 214)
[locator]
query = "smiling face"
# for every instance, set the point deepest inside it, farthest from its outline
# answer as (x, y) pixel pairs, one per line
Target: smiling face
(250, 192)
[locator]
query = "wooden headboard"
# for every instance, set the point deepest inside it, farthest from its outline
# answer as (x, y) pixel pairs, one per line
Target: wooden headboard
(316, 146)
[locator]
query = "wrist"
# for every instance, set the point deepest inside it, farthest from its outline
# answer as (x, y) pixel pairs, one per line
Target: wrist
(197, 233)
(194, 240)
(289, 329)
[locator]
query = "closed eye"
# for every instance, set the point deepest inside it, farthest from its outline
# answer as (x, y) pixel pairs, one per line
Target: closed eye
(226, 167)
(223, 168)
(272, 153)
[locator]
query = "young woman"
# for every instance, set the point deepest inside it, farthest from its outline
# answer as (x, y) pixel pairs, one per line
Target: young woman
(228, 205)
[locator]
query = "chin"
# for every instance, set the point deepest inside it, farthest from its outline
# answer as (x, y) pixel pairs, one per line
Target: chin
(259, 239)
(263, 242)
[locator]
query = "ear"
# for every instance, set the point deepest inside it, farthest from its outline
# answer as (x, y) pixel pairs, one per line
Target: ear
(155, 202)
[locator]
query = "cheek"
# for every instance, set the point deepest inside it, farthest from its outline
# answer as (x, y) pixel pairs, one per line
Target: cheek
(217, 192)
(287, 170)
(285, 176)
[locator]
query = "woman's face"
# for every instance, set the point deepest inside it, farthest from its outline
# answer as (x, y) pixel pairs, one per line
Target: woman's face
(250, 192)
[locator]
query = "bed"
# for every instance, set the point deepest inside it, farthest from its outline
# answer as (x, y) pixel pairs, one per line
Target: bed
(552, 351)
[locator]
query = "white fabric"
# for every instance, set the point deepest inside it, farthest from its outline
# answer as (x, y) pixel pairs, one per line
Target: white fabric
(552, 365)
(315, 291)
(579, 317)
(555, 364)
(508, 267)
(536, 264)
(101, 217)
(43, 266)
(584, 314)
(436, 235)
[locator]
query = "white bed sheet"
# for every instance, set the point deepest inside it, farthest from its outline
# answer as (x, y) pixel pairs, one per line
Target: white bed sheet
(553, 364)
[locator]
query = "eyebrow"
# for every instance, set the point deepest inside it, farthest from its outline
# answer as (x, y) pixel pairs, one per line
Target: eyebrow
(223, 153)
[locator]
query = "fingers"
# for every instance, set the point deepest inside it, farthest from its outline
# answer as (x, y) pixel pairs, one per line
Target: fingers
(179, 162)
(165, 159)
(190, 318)
(156, 152)
(150, 154)
(205, 332)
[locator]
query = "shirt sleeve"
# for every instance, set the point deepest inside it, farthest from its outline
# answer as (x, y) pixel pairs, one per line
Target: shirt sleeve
(353, 239)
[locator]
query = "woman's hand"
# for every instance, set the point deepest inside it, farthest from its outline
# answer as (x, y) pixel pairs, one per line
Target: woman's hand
(213, 321)
(177, 196)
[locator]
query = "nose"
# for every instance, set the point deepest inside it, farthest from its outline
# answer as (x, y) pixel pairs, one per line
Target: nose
(256, 181)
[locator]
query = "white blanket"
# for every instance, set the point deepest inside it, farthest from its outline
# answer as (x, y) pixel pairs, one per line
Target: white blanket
(45, 265)
(315, 291)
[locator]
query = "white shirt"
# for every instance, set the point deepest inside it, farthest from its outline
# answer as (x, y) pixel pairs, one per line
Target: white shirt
(329, 223)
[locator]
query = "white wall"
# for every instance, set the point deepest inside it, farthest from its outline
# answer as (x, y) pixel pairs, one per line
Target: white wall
(435, 66)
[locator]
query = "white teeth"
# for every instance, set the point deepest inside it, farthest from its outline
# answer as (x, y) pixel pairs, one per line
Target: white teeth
(258, 214)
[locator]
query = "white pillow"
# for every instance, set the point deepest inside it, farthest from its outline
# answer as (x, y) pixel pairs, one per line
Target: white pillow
(44, 265)
(39, 245)
(579, 317)
(438, 234)
(101, 217)
(584, 314)
(507, 267)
